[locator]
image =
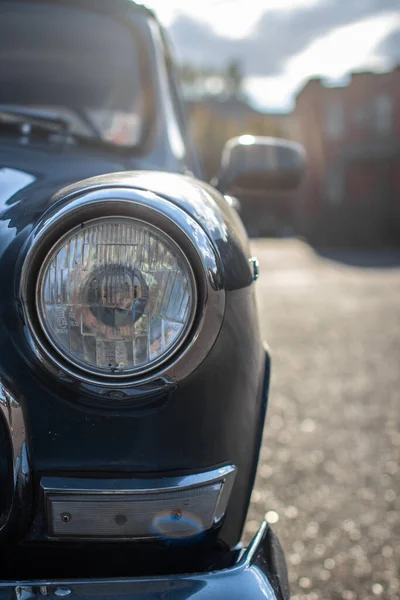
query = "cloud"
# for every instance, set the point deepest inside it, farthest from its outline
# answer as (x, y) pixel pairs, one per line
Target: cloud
(389, 49)
(278, 36)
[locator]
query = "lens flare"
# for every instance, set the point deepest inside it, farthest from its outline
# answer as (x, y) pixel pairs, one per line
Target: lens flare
(177, 526)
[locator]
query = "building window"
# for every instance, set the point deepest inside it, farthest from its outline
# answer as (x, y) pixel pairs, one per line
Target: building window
(383, 114)
(361, 116)
(335, 124)
(334, 186)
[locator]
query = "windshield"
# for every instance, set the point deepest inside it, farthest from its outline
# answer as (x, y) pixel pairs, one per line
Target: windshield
(79, 64)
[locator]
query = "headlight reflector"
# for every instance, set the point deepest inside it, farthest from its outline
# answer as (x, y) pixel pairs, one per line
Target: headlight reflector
(116, 296)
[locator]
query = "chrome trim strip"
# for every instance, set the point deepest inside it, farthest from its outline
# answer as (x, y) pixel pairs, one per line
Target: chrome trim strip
(81, 486)
(11, 411)
(256, 267)
(249, 555)
(209, 317)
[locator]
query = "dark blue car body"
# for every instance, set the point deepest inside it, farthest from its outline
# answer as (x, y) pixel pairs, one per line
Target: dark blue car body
(180, 422)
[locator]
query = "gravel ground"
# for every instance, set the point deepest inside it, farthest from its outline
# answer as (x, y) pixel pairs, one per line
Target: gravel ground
(329, 472)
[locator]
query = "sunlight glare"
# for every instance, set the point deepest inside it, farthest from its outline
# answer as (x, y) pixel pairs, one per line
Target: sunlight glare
(228, 18)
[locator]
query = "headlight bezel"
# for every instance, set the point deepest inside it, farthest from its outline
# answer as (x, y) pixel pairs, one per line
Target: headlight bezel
(172, 221)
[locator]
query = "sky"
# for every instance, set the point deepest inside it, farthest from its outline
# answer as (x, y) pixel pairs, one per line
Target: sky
(281, 43)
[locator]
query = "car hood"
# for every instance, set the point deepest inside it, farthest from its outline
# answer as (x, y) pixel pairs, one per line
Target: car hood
(32, 179)
(48, 167)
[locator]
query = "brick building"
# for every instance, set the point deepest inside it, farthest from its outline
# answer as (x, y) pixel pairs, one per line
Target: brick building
(351, 193)
(215, 119)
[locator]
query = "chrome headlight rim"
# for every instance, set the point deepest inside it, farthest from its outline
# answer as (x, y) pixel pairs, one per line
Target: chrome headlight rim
(155, 364)
(113, 201)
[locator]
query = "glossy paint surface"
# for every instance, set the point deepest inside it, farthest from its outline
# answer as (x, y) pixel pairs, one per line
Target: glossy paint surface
(212, 417)
(259, 575)
(207, 206)
(209, 418)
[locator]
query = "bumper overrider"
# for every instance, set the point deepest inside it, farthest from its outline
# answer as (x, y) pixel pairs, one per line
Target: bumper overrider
(258, 573)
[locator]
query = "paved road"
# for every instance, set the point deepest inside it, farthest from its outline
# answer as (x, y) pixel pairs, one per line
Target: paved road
(329, 467)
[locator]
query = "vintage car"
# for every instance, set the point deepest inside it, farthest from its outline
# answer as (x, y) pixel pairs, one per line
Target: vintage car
(133, 379)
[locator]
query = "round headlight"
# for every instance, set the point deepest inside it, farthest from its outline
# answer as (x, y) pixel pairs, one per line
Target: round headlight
(116, 296)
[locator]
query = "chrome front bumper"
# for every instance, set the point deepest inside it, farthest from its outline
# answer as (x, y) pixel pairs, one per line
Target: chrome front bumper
(260, 573)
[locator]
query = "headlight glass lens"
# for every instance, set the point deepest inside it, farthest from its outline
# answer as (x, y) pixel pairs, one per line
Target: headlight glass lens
(116, 296)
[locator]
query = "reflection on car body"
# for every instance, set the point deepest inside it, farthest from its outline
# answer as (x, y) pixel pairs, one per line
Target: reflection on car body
(133, 374)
